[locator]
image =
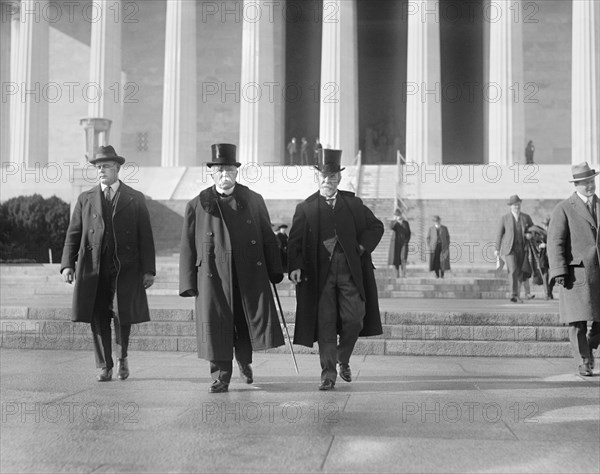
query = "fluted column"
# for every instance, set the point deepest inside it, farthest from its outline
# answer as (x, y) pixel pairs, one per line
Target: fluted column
(338, 126)
(179, 126)
(423, 84)
(5, 79)
(585, 83)
(29, 116)
(506, 138)
(261, 86)
(106, 88)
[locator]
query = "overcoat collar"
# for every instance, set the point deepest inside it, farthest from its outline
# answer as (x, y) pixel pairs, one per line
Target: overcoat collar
(124, 197)
(583, 210)
(208, 198)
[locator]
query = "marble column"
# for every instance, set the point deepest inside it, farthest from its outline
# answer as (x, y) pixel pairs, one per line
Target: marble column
(423, 84)
(338, 126)
(5, 81)
(106, 88)
(262, 87)
(585, 83)
(29, 116)
(504, 85)
(179, 125)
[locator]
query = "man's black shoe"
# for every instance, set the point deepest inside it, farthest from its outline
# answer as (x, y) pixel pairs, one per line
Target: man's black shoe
(122, 369)
(327, 384)
(345, 372)
(105, 375)
(218, 386)
(246, 372)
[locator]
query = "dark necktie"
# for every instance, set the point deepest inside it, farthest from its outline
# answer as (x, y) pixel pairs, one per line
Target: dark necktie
(590, 206)
(330, 202)
(108, 194)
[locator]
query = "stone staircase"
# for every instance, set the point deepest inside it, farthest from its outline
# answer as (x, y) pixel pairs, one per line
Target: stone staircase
(35, 314)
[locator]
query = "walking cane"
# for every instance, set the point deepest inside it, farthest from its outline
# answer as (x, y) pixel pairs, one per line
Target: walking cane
(285, 328)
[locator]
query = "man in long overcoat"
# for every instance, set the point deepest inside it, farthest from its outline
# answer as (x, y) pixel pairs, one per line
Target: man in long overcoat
(109, 251)
(329, 257)
(574, 254)
(228, 255)
(438, 242)
(510, 244)
(398, 253)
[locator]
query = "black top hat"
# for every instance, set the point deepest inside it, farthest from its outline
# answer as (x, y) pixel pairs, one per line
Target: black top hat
(223, 154)
(582, 171)
(513, 200)
(106, 153)
(329, 161)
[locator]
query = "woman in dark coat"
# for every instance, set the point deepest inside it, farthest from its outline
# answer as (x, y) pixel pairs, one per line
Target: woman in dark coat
(399, 243)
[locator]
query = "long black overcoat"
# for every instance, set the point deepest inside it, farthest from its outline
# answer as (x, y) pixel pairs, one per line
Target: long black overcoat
(205, 271)
(303, 253)
(134, 250)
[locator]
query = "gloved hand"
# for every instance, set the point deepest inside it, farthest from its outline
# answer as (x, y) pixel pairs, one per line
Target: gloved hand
(562, 280)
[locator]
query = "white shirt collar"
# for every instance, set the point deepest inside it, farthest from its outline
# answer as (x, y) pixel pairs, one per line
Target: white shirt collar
(584, 198)
(332, 197)
(114, 186)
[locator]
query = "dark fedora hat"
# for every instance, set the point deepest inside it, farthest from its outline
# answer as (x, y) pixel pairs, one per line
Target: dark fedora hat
(223, 154)
(329, 161)
(514, 199)
(106, 153)
(582, 171)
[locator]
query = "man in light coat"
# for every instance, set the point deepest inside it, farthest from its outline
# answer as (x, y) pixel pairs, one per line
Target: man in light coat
(510, 244)
(228, 255)
(574, 254)
(438, 242)
(109, 252)
(329, 257)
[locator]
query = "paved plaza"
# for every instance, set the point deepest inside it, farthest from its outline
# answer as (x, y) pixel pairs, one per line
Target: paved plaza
(400, 414)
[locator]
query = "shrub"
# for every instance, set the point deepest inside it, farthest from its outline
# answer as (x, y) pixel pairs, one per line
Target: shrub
(30, 225)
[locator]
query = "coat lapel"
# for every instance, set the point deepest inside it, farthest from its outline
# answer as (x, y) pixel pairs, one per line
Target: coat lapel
(582, 209)
(124, 198)
(96, 199)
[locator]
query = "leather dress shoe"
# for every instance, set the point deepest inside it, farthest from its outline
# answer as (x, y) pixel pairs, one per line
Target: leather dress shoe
(218, 386)
(530, 297)
(327, 384)
(585, 370)
(515, 299)
(105, 375)
(345, 372)
(122, 369)
(246, 373)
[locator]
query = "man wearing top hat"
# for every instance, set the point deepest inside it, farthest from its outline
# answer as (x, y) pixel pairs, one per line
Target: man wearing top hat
(329, 257)
(109, 253)
(574, 254)
(228, 256)
(510, 243)
(438, 241)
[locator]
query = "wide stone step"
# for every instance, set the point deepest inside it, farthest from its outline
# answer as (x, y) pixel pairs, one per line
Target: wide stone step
(366, 346)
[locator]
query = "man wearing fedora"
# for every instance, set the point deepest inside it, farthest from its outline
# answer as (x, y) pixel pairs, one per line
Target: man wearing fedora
(510, 244)
(109, 252)
(229, 254)
(329, 257)
(574, 254)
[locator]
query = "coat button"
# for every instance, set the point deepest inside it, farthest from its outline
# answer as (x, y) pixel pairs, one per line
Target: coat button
(92, 231)
(259, 264)
(210, 234)
(210, 275)
(94, 216)
(248, 221)
(253, 242)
